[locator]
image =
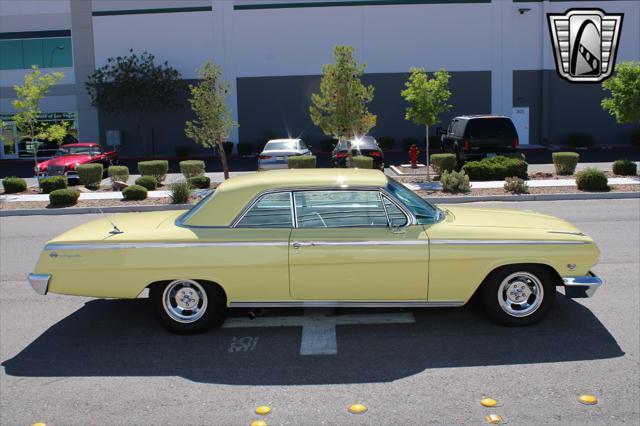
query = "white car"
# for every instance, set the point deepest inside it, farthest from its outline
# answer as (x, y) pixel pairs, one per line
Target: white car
(276, 153)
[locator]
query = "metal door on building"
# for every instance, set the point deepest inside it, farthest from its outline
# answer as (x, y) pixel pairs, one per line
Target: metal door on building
(520, 118)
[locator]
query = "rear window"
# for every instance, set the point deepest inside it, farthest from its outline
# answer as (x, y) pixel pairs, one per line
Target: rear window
(362, 144)
(490, 128)
(281, 145)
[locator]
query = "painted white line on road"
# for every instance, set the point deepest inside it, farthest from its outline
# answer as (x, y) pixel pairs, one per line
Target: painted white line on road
(319, 326)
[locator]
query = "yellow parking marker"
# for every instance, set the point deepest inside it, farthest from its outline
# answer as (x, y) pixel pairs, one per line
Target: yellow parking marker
(258, 423)
(263, 410)
(588, 399)
(357, 409)
(488, 402)
(495, 419)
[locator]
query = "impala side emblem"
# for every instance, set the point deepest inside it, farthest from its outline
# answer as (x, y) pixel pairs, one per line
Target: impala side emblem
(585, 43)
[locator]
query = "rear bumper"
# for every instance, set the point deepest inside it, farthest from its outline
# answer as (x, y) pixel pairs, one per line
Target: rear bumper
(583, 286)
(40, 283)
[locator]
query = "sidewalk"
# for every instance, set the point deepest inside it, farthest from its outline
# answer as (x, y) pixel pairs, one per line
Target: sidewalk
(534, 183)
(12, 198)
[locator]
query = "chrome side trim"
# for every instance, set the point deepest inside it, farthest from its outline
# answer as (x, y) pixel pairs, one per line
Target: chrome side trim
(582, 234)
(582, 286)
(115, 246)
(347, 304)
(39, 283)
(360, 243)
(506, 242)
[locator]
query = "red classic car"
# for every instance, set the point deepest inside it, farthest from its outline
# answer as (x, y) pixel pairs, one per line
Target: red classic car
(70, 156)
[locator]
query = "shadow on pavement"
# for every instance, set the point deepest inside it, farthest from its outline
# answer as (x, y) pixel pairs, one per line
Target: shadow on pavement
(121, 338)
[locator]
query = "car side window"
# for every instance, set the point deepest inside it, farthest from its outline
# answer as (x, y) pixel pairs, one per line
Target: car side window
(339, 209)
(270, 211)
(396, 216)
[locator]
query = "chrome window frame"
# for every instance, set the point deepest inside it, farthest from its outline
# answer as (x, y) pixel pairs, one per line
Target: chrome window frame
(256, 200)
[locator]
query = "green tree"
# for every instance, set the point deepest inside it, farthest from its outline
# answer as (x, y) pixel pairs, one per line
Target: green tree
(213, 121)
(340, 109)
(133, 84)
(427, 98)
(624, 103)
(27, 106)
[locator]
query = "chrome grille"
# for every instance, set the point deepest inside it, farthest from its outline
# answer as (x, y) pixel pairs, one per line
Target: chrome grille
(55, 170)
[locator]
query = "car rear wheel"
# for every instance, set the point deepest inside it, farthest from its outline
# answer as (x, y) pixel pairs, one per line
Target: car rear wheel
(187, 306)
(518, 295)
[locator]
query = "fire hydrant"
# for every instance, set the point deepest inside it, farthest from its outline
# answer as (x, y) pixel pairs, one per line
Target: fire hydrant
(413, 156)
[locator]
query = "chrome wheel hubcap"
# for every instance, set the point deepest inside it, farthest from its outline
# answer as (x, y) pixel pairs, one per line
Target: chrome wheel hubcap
(184, 300)
(520, 294)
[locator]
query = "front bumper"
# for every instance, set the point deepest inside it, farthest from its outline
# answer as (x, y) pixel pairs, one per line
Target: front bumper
(583, 286)
(40, 283)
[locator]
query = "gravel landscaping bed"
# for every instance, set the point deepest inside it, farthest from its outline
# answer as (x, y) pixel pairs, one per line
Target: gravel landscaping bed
(533, 191)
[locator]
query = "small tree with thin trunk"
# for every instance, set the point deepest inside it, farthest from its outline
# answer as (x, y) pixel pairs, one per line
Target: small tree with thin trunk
(624, 103)
(27, 105)
(213, 121)
(340, 109)
(133, 84)
(427, 98)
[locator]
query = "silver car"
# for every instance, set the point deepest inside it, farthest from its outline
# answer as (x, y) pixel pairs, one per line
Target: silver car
(276, 153)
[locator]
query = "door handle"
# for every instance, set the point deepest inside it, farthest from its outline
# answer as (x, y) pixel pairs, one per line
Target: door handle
(296, 245)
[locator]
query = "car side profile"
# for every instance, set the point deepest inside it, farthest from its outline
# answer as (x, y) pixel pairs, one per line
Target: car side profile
(68, 157)
(473, 137)
(276, 153)
(321, 238)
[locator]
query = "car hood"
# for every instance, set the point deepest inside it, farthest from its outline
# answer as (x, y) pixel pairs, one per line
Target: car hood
(506, 218)
(66, 160)
(145, 226)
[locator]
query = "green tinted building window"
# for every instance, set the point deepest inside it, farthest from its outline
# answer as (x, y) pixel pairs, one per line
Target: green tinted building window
(44, 52)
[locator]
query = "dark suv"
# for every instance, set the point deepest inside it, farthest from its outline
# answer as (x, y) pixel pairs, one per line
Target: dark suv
(472, 137)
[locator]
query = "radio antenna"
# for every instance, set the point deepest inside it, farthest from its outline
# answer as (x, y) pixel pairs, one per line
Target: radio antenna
(115, 230)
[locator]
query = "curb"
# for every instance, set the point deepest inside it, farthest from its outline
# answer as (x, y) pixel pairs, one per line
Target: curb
(92, 210)
(537, 197)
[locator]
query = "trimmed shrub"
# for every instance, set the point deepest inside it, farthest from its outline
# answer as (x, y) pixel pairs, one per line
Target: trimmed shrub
(496, 168)
(581, 140)
(147, 182)
(635, 137)
(407, 142)
(199, 182)
(515, 185)
(13, 185)
(191, 168)
(386, 143)
(302, 162)
(592, 179)
(326, 145)
(180, 192)
(182, 150)
(134, 192)
(245, 148)
(49, 184)
(156, 168)
(455, 182)
(443, 162)
(565, 162)
(90, 175)
(228, 147)
(118, 174)
(362, 162)
(63, 198)
(625, 168)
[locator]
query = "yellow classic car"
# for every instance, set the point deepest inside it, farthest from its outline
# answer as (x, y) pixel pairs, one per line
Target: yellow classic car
(321, 238)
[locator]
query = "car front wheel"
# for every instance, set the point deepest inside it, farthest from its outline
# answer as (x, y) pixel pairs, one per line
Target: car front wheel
(187, 306)
(518, 295)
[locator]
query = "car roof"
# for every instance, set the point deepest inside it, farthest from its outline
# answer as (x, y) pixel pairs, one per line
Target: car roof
(81, 144)
(284, 140)
(234, 194)
(467, 117)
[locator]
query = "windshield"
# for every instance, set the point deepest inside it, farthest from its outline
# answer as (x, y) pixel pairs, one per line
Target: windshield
(73, 150)
(187, 215)
(424, 212)
(281, 145)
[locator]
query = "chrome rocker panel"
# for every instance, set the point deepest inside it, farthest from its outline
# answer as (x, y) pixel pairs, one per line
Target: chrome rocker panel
(581, 287)
(40, 283)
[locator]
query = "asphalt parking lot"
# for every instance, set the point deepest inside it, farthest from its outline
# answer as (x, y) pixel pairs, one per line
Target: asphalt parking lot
(77, 361)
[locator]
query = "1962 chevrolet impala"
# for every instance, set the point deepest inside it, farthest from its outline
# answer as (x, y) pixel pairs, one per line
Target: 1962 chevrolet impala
(333, 237)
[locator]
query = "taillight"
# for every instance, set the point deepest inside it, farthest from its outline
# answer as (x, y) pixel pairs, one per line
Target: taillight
(375, 154)
(516, 142)
(466, 143)
(342, 154)
(264, 157)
